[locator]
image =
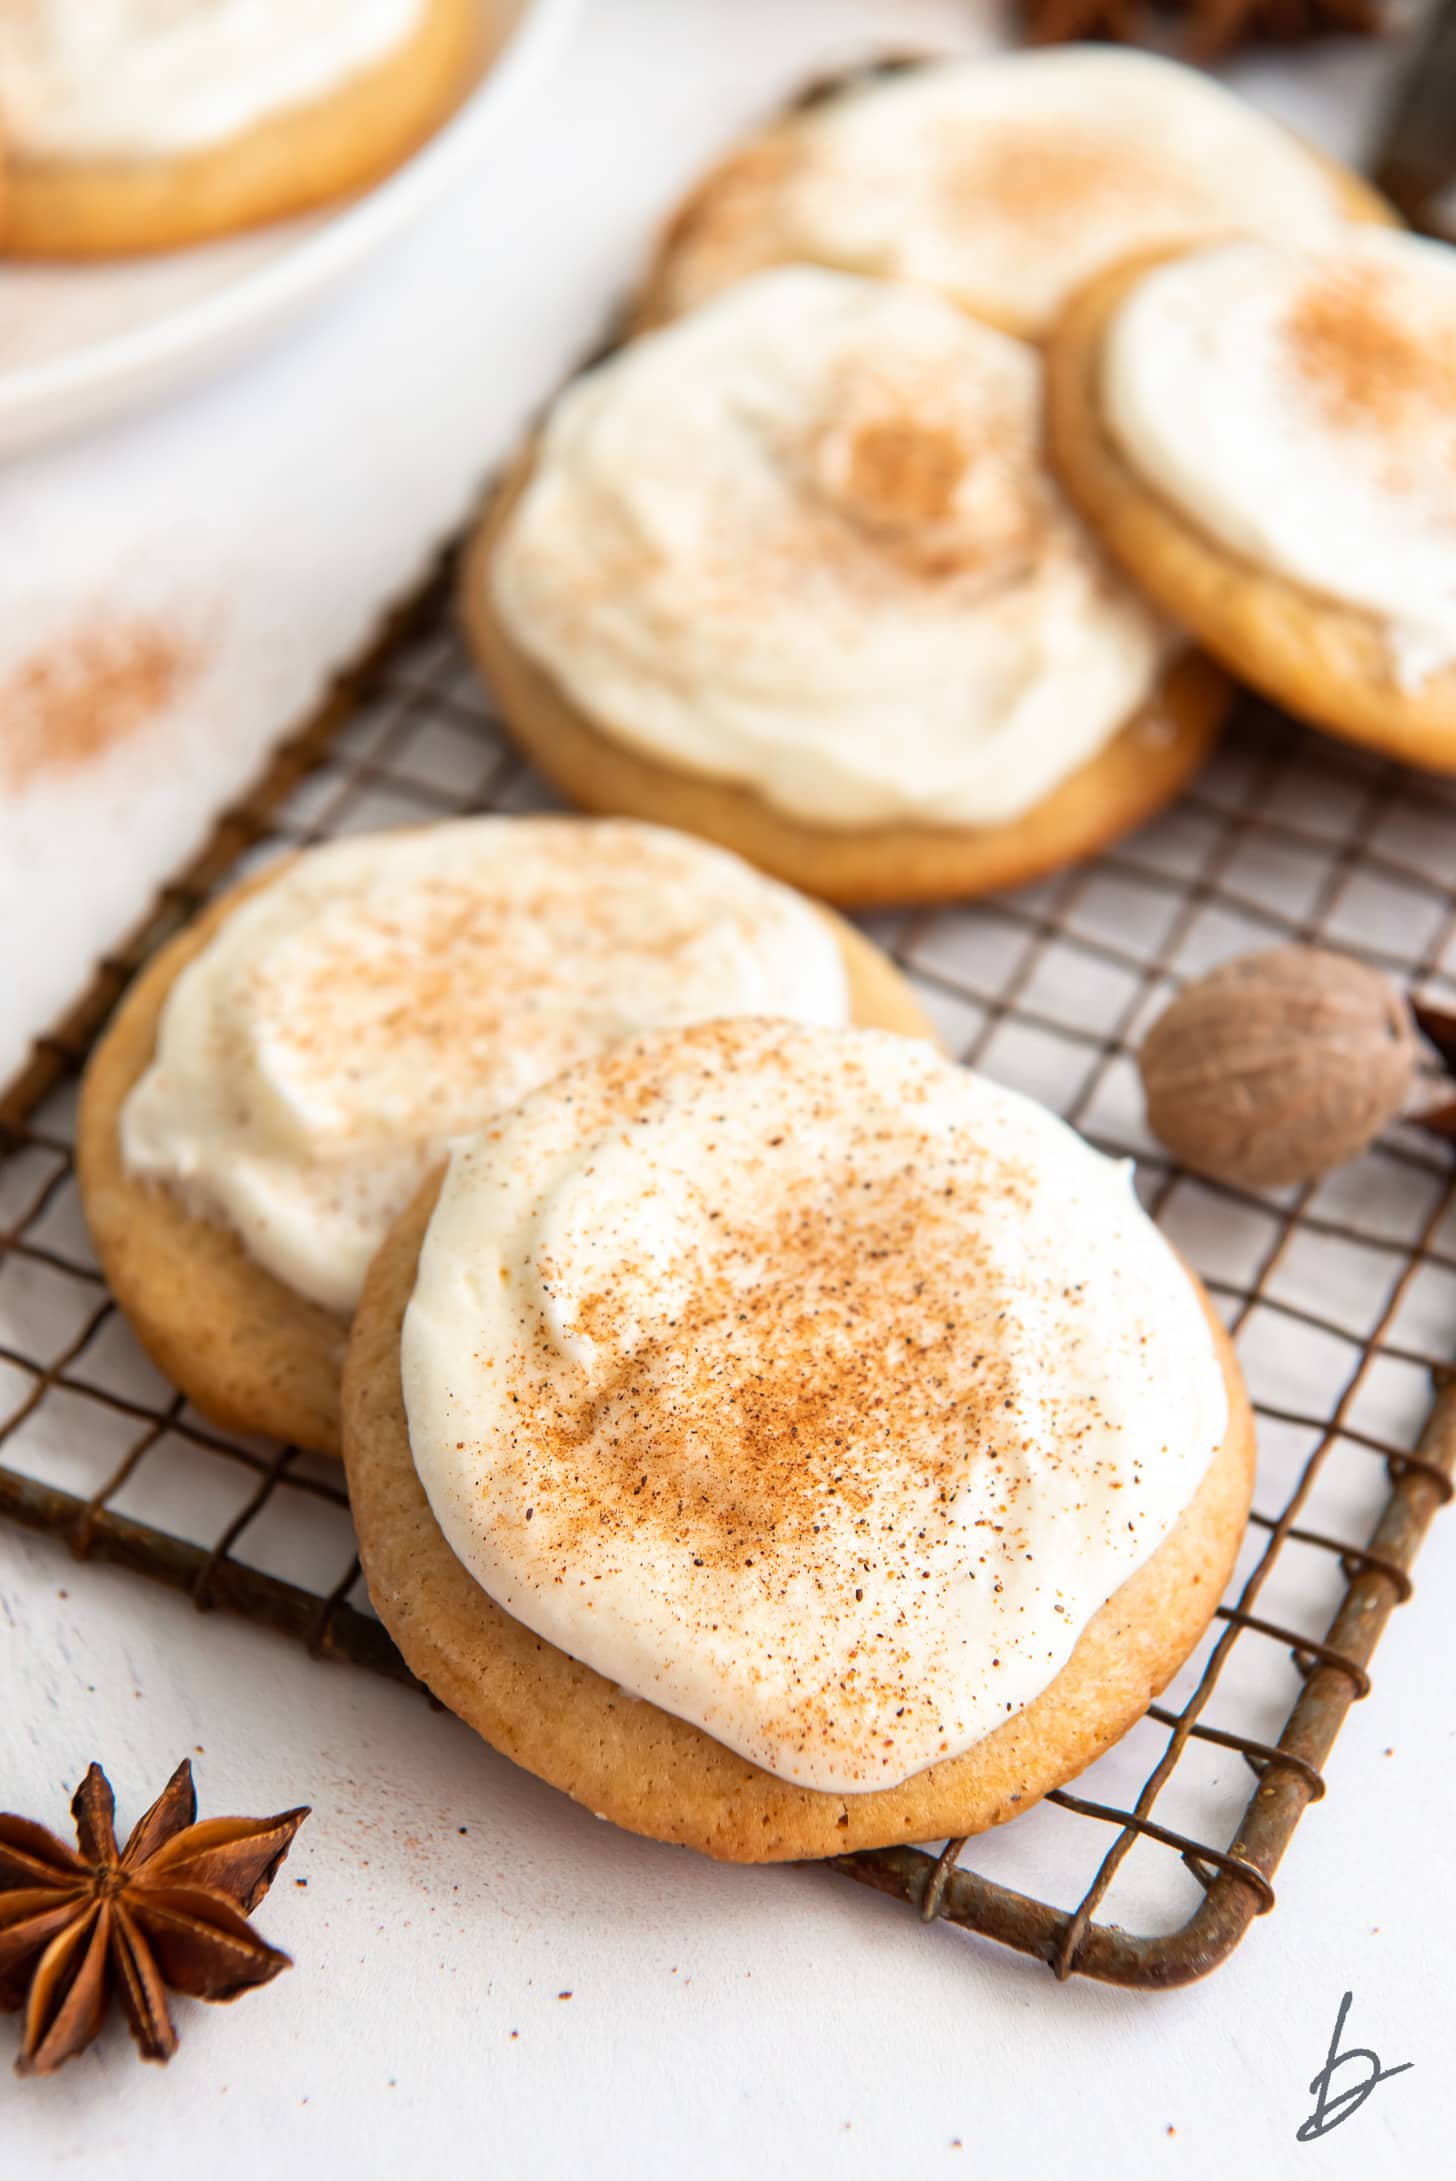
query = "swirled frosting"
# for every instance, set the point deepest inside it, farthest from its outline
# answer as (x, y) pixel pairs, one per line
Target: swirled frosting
(1004, 183)
(385, 995)
(1300, 407)
(804, 540)
(806, 1385)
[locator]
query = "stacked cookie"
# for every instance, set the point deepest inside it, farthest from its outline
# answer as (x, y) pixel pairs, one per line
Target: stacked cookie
(285, 1075)
(973, 412)
(147, 124)
(769, 1433)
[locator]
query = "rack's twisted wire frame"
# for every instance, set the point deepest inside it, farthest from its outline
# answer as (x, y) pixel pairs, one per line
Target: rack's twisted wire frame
(1236, 1878)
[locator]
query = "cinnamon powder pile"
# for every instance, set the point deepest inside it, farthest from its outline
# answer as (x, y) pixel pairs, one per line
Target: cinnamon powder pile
(80, 698)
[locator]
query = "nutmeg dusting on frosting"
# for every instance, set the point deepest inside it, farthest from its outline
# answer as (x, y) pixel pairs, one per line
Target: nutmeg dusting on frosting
(836, 569)
(1052, 183)
(384, 995)
(1370, 364)
(803, 1384)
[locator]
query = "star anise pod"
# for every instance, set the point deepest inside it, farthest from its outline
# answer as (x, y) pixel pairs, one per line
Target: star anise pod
(1211, 27)
(1216, 27)
(1058, 22)
(170, 1909)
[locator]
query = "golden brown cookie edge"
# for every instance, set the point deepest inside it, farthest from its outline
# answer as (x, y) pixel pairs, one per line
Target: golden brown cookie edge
(1140, 771)
(650, 1772)
(283, 166)
(747, 164)
(250, 1353)
(1327, 663)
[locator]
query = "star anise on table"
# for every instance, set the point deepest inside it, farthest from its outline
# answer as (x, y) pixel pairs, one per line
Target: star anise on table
(1211, 28)
(1058, 22)
(169, 1910)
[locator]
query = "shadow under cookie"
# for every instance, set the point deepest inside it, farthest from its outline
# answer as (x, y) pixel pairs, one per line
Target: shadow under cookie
(248, 1351)
(1139, 771)
(628, 1760)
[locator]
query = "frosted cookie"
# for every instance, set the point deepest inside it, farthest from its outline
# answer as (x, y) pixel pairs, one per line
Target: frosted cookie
(145, 124)
(793, 574)
(1004, 183)
(1266, 438)
(786, 1442)
(278, 1082)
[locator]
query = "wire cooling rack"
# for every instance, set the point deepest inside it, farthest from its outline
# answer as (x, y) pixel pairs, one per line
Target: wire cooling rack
(1342, 1296)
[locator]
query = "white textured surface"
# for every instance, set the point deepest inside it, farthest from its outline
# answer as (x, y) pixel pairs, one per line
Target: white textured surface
(722, 2022)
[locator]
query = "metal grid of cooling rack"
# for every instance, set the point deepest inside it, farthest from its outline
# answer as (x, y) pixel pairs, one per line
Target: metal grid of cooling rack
(1342, 1295)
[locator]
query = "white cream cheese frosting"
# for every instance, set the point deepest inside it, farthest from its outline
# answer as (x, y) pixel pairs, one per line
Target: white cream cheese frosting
(383, 996)
(805, 540)
(1005, 183)
(1299, 406)
(806, 1385)
(138, 79)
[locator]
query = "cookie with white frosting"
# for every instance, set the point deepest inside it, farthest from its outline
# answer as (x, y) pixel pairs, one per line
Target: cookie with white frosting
(1004, 183)
(139, 125)
(282, 1077)
(788, 1442)
(1265, 436)
(793, 573)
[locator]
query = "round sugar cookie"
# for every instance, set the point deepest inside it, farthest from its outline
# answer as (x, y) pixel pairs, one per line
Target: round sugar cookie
(1326, 661)
(653, 1773)
(290, 162)
(1143, 768)
(999, 180)
(250, 1352)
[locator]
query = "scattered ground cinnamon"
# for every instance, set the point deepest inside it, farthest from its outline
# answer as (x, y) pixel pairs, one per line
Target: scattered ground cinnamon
(1369, 363)
(1049, 183)
(84, 695)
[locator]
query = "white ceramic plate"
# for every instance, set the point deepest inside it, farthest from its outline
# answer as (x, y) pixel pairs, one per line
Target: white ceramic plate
(79, 345)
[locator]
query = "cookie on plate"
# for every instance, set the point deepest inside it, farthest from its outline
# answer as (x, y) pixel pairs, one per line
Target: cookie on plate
(792, 573)
(786, 1442)
(277, 1083)
(135, 127)
(1005, 183)
(1265, 437)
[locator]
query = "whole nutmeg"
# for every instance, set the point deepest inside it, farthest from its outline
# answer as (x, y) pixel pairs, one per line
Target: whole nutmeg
(1278, 1066)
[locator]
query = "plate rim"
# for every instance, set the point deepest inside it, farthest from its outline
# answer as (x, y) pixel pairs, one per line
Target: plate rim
(194, 329)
